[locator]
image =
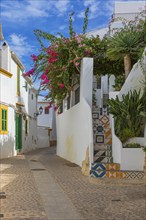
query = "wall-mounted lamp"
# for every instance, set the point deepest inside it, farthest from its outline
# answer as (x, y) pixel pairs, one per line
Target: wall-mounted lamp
(39, 112)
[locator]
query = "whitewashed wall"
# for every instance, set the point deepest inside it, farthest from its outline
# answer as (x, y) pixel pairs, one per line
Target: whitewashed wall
(134, 80)
(74, 129)
(29, 98)
(43, 137)
(47, 120)
(9, 97)
(126, 10)
(44, 119)
(74, 126)
(129, 159)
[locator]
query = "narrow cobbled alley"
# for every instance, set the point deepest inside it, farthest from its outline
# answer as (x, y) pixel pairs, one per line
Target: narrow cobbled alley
(42, 186)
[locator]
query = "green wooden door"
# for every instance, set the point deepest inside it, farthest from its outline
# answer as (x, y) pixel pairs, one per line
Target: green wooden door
(18, 131)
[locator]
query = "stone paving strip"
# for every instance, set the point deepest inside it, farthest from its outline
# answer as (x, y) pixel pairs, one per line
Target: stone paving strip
(95, 199)
(43, 186)
(55, 202)
(22, 200)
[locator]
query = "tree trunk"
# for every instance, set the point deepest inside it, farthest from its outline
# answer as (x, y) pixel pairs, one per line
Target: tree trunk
(127, 65)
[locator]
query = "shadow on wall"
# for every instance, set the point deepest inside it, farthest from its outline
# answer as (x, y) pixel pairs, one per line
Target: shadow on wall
(7, 146)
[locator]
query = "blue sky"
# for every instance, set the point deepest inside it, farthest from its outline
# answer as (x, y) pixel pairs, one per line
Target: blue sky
(20, 17)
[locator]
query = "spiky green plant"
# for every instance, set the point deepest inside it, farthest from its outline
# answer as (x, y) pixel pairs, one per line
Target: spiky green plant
(129, 114)
(128, 42)
(124, 45)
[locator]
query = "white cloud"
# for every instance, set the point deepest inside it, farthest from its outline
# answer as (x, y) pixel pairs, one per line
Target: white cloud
(62, 6)
(26, 9)
(23, 10)
(20, 46)
(62, 27)
(94, 9)
(109, 7)
(99, 8)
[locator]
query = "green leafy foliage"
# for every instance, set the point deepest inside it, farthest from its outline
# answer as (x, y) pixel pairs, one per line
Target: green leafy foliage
(128, 41)
(129, 114)
(119, 81)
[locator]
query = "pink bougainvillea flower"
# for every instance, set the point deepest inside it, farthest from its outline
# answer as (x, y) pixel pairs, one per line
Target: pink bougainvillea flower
(77, 64)
(34, 57)
(52, 60)
(46, 71)
(44, 77)
(56, 46)
(65, 41)
(61, 85)
(87, 52)
(29, 73)
(79, 40)
(52, 53)
(46, 81)
(80, 45)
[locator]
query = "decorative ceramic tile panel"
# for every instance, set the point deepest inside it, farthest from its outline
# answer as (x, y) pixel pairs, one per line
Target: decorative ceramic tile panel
(98, 174)
(95, 121)
(115, 174)
(100, 128)
(99, 139)
(108, 141)
(104, 119)
(98, 166)
(108, 133)
(101, 111)
(135, 174)
(108, 153)
(99, 153)
(105, 110)
(95, 115)
(103, 159)
(94, 108)
(107, 125)
(94, 128)
(112, 166)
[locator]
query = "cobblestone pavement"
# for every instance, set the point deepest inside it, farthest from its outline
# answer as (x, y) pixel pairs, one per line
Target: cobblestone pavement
(94, 199)
(22, 200)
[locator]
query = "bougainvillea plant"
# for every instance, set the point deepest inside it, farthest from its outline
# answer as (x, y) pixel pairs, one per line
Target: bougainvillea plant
(58, 65)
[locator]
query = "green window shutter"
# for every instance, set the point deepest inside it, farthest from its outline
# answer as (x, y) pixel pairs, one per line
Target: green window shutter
(4, 120)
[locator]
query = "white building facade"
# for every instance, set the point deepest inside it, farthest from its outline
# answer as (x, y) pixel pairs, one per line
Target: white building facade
(126, 10)
(18, 103)
(46, 122)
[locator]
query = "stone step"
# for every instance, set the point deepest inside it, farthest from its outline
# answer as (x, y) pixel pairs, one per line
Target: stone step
(117, 174)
